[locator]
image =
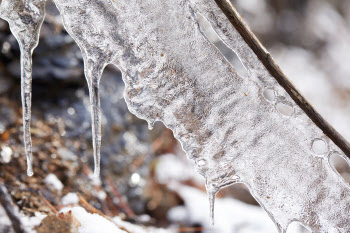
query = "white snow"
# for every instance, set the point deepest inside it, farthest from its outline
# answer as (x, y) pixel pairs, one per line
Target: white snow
(101, 195)
(70, 199)
(171, 167)
(93, 223)
(66, 154)
(137, 229)
(6, 154)
(53, 182)
(31, 222)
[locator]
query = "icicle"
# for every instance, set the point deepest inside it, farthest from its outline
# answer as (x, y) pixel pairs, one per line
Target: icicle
(93, 72)
(212, 191)
(26, 90)
(25, 19)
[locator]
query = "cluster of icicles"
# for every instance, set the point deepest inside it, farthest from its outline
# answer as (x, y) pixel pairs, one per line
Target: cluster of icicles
(237, 130)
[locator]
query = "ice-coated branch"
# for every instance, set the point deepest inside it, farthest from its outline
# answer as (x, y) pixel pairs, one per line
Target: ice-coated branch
(5, 201)
(226, 123)
(265, 57)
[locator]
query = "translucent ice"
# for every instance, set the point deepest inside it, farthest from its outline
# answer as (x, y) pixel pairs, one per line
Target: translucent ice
(236, 129)
(225, 123)
(25, 18)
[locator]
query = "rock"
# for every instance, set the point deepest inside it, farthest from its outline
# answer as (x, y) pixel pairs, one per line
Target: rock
(62, 223)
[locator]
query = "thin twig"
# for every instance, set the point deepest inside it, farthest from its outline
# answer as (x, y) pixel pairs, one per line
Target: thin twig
(265, 57)
(5, 201)
(111, 205)
(123, 205)
(89, 207)
(48, 203)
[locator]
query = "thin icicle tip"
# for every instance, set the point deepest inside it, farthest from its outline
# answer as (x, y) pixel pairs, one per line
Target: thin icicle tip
(212, 191)
(30, 170)
(97, 172)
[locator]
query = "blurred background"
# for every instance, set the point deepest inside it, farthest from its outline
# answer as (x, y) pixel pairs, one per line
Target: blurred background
(146, 178)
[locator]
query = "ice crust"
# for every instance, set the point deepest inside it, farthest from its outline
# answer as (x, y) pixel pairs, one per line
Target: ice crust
(236, 129)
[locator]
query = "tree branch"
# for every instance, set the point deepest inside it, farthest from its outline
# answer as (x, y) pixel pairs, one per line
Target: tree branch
(5, 201)
(265, 57)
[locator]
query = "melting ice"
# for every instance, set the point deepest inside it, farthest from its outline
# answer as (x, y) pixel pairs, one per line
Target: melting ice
(236, 129)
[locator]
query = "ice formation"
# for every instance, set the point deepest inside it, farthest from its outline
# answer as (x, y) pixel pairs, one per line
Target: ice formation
(25, 19)
(236, 129)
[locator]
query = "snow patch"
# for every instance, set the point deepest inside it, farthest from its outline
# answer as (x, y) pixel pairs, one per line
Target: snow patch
(93, 223)
(53, 182)
(70, 199)
(6, 154)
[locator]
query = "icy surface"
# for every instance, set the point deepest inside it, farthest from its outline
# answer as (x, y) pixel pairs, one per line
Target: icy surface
(25, 18)
(235, 129)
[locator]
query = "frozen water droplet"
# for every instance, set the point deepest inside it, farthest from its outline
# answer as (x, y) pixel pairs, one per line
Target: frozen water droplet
(285, 108)
(29, 169)
(150, 124)
(269, 94)
(319, 146)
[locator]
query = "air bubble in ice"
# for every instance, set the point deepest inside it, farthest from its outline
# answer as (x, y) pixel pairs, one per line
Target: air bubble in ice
(285, 108)
(319, 146)
(269, 94)
(340, 164)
